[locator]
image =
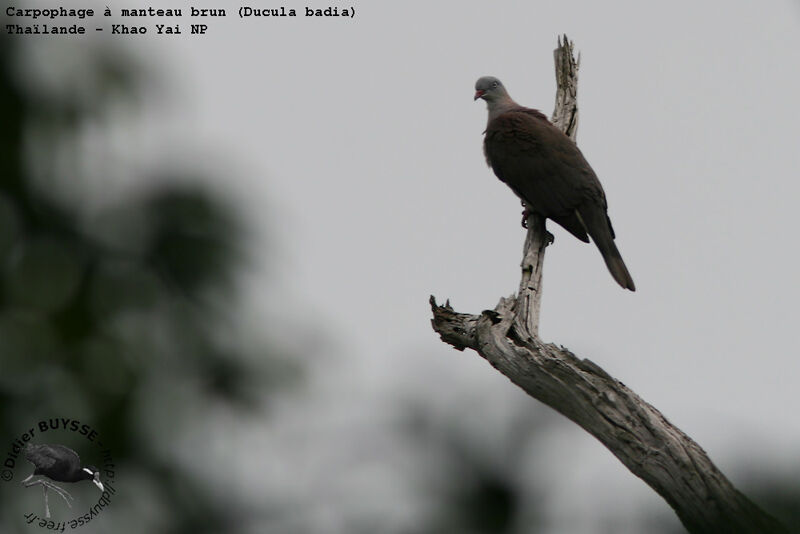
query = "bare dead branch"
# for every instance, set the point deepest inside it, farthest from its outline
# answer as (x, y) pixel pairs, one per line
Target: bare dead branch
(649, 445)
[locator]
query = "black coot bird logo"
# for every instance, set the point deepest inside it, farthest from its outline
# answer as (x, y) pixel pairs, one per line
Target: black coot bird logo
(61, 464)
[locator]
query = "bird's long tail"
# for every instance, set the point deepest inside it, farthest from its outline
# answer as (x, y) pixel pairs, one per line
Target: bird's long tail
(602, 235)
(615, 264)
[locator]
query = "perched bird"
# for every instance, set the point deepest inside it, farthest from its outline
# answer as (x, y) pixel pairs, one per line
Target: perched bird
(548, 172)
(61, 464)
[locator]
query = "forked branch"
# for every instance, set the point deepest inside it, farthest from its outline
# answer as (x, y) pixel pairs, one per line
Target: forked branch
(649, 445)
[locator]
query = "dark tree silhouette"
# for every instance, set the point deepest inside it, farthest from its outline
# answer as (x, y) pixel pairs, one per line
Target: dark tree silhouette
(94, 311)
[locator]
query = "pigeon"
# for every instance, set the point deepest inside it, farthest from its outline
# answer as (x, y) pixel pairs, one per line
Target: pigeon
(548, 172)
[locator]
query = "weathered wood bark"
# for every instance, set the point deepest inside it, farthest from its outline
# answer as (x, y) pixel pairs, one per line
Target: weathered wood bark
(649, 445)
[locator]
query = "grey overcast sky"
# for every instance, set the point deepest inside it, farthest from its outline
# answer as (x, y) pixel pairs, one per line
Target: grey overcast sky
(364, 138)
(356, 146)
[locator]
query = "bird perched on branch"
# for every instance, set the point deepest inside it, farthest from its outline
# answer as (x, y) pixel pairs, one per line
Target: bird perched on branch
(548, 172)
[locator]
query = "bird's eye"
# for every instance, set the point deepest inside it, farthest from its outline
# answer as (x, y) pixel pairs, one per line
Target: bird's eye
(495, 84)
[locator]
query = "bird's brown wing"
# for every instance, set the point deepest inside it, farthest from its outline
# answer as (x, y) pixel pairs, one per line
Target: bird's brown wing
(543, 167)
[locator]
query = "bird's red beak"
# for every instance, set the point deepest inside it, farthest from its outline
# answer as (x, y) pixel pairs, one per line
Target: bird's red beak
(478, 94)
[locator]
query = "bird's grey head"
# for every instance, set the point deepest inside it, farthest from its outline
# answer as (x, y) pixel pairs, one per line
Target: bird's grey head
(490, 89)
(94, 474)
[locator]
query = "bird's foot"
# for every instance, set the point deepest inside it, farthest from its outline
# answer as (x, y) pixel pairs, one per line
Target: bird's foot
(525, 214)
(62, 492)
(49, 485)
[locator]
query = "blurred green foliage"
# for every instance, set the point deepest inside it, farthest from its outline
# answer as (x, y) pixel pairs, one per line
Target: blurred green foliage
(94, 312)
(484, 481)
(780, 495)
